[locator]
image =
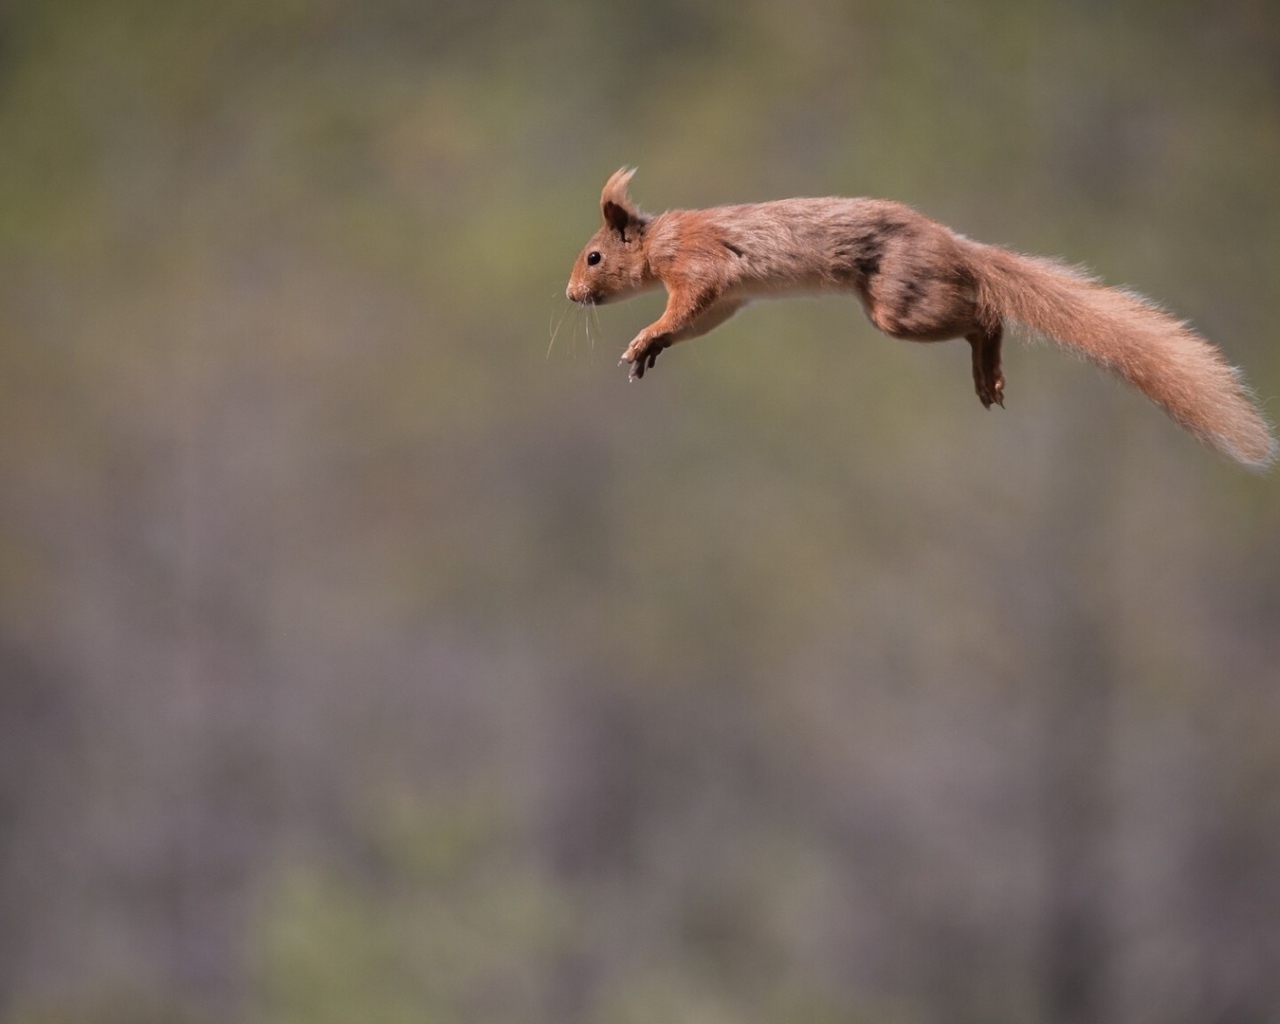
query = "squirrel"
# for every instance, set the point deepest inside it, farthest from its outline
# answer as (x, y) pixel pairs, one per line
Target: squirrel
(917, 280)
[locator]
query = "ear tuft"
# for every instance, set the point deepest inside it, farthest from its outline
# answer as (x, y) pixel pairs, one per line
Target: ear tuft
(615, 189)
(616, 206)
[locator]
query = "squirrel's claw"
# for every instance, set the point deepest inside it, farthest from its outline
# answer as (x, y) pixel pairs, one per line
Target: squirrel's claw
(642, 356)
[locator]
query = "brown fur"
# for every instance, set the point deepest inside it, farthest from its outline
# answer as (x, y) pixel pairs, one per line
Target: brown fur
(918, 281)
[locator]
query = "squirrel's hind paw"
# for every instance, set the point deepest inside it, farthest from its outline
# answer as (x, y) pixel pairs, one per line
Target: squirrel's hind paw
(991, 392)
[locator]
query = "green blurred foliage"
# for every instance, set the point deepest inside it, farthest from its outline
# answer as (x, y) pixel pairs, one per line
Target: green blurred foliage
(442, 924)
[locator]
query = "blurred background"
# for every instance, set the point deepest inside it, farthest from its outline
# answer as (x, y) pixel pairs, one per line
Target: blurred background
(367, 656)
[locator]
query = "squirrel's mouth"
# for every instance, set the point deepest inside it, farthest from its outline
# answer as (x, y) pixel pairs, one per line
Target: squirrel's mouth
(583, 297)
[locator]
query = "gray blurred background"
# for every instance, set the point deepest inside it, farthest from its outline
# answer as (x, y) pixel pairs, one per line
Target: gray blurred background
(364, 658)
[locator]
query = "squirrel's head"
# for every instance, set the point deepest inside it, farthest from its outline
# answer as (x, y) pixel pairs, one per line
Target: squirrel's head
(612, 264)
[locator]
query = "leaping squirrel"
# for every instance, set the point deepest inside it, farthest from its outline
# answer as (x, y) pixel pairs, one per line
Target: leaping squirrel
(917, 280)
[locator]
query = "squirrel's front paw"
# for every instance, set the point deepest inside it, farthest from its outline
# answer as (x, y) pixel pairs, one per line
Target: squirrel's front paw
(642, 354)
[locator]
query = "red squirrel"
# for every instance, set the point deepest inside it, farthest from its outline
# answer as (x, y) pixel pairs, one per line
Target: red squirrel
(918, 281)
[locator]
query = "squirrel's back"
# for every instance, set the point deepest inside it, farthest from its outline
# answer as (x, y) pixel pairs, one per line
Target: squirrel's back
(788, 244)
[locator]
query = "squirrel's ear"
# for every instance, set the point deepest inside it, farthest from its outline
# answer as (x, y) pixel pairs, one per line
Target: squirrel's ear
(615, 189)
(616, 206)
(616, 216)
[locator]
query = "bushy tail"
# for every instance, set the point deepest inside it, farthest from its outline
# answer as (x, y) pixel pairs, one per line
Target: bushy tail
(1162, 357)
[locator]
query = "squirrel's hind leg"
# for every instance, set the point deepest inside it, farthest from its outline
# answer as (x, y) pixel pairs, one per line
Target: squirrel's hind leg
(988, 380)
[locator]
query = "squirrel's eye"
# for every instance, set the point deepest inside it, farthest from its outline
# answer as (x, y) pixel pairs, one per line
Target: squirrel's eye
(593, 258)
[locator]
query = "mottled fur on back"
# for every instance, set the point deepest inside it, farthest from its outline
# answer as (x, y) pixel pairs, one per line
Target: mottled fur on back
(917, 280)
